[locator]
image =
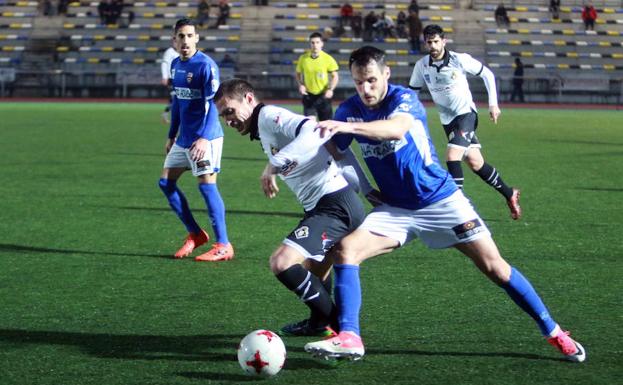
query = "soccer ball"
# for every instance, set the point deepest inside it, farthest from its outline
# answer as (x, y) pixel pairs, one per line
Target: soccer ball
(261, 353)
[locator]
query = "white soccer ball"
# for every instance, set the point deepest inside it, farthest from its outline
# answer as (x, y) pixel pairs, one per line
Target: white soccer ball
(261, 353)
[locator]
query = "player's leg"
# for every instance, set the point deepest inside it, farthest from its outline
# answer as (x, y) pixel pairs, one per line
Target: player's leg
(308, 105)
(485, 255)
(492, 177)
(174, 166)
(206, 171)
(458, 144)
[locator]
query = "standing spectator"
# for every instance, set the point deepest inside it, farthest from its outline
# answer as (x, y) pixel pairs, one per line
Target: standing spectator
(46, 7)
(356, 24)
(401, 25)
(501, 16)
(116, 11)
(316, 74)
(203, 13)
(104, 9)
(62, 7)
(415, 31)
(368, 26)
(517, 81)
(414, 7)
(554, 8)
(223, 13)
(346, 15)
(589, 15)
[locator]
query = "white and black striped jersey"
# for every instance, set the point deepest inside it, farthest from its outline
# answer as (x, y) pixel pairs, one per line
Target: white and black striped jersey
(447, 82)
(294, 146)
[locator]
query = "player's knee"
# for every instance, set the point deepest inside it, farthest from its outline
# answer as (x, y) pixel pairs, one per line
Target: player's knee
(346, 253)
(166, 185)
(280, 262)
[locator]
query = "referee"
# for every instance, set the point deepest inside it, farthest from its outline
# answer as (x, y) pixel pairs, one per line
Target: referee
(316, 74)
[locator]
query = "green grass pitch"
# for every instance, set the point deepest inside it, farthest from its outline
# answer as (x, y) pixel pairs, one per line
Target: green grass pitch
(89, 294)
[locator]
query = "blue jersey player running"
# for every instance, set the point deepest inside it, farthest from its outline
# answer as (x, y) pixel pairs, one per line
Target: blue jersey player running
(195, 142)
(421, 200)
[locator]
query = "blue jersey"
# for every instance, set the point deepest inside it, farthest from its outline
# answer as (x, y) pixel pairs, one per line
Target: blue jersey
(407, 170)
(193, 112)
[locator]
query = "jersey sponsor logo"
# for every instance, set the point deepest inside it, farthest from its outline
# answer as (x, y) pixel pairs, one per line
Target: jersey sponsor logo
(301, 232)
(189, 77)
(382, 149)
(354, 119)
(468, 229)
(288, 167)
(405, 97)
(404, 107)
(187, 93)
(427, 78)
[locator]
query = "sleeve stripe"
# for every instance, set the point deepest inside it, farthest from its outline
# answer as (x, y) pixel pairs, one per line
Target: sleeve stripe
(298, 128)
(415, 88)
(481, 68)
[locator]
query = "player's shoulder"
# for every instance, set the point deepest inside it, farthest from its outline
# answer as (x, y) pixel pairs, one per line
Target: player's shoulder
(460, 56)
(348, 105)
(423, 61)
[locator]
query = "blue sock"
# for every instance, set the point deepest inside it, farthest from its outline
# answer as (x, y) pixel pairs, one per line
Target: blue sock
(524, 295)
(178, 203)
(216, 210)
(348, 296)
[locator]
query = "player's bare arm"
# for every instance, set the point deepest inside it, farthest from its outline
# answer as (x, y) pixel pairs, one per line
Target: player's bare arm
(168, 145)
(268, 180)
(198, 149)
(494, 113)
(332, 84)
(389, 129)
(302, 88)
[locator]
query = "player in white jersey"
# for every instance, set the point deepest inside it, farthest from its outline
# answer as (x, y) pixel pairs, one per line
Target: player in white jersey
(444, 74)
(420, 200)
(165, 69)
(332, 209)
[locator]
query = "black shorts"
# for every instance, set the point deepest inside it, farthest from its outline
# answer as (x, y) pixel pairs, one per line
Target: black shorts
(336, 215)
(319, 105)
(461, 131)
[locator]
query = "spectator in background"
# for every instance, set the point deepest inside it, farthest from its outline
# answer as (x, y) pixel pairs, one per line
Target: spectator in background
(62, 7)
(223, 13)
(203, 13)
(415, 31)
(501, 16)
(104, 10)
(346, 15)
(356, 24)
(368, 26)
(116, 11)
(517, 81)
(589, 15)
(554, 8)
(228, 62)
(414, 7)
(46, 7)
(401, 25)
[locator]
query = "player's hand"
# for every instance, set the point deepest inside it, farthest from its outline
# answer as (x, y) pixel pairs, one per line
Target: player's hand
(165, 82)
(269, 182)
(328, 94)
(494, 113)
(168, 145)
(198, 149)
(302, 89)
(331, 127)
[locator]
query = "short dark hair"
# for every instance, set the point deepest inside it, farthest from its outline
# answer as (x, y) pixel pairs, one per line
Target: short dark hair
(432, 30)
(182, 23)
(361, 57)
(234, 89)
(315, 34)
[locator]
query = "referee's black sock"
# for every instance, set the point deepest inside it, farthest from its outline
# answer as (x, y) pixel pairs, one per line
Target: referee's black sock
(311, 291)
(490, 175)
(454, 168)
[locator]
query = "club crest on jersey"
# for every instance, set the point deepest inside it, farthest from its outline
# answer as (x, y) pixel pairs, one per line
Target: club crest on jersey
(301, 232)
(274, 150)
(454, 75)
(468, 229)
(189, 77)
(404, 107)
(327, 243)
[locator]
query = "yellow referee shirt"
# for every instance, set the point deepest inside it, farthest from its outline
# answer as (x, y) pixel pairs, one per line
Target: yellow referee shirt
(316, 71)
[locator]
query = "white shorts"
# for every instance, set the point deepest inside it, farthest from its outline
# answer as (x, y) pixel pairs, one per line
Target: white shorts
(179, 157)
(443, 224)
